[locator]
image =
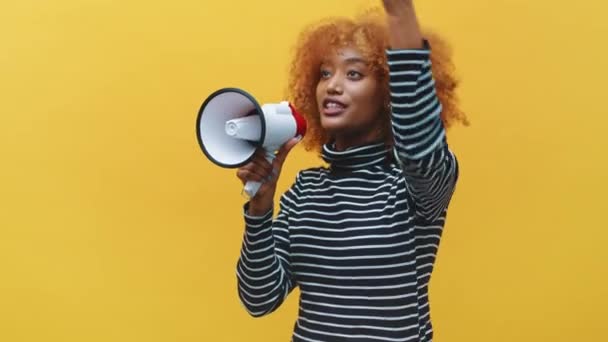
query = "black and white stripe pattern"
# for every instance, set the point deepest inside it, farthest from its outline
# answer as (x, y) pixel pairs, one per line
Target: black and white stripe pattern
(360, 238)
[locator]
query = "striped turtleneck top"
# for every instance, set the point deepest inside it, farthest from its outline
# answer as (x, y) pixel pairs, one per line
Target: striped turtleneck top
(360, 237)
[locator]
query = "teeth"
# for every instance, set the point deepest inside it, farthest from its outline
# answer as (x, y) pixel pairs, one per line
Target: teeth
(333, 105)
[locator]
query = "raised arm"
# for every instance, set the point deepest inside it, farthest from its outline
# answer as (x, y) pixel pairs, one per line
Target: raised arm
(430, 168)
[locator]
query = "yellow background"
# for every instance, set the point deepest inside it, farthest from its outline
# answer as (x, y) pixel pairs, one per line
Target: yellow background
(114, 227)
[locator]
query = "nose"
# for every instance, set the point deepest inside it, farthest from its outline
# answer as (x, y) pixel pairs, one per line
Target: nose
(334, 85)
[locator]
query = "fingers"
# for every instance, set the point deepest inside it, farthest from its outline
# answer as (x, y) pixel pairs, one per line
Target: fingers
(261, 162)
(258, 169)
(284, 151)
(250, 174)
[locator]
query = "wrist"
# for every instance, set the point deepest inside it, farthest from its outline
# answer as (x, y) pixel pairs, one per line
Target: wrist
(255, 208)
(404, 29)
(401, 12)
(403, 16)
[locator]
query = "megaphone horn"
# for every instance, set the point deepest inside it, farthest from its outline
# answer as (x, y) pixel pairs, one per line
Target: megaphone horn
(231, 126)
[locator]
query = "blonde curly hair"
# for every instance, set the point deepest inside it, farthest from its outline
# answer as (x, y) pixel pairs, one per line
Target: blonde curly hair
(368, 33)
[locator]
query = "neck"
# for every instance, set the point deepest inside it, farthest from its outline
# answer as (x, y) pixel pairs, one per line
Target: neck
(342, 145)
(343, 142)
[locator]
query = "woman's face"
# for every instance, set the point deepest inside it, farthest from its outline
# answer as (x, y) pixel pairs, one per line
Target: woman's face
(349, 99)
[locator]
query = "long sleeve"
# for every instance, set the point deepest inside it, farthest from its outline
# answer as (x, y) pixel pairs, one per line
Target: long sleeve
(430, 168)
(263, 270)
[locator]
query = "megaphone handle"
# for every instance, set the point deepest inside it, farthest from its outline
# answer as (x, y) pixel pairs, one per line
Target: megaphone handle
(251, 187)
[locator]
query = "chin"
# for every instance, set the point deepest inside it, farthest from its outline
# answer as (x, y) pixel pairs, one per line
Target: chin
(332, 128)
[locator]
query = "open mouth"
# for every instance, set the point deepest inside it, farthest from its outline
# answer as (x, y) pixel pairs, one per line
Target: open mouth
(333, 107)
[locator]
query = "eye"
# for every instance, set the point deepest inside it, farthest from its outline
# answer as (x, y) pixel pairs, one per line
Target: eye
(353, 74)
(325, 73)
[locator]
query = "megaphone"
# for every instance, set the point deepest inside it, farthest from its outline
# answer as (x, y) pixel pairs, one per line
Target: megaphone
(231, 125)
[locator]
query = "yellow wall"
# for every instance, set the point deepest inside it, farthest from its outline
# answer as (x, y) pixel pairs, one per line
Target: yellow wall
(114, 227)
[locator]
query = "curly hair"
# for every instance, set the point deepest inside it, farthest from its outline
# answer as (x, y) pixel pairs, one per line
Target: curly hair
(368, 33)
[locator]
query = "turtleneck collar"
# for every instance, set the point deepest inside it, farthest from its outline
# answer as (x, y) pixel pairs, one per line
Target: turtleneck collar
(356, 157)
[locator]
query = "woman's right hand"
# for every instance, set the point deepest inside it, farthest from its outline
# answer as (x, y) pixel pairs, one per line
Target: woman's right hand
(260, 170)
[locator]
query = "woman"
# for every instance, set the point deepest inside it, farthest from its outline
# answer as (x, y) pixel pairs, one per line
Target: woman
(359, 237)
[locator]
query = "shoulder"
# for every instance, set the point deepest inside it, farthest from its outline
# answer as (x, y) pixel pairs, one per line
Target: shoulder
(305, 179)
(311, 174)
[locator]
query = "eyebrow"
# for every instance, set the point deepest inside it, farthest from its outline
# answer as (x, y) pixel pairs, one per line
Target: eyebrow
(349, 60)
(355, 60)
